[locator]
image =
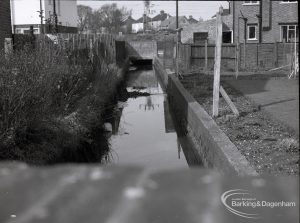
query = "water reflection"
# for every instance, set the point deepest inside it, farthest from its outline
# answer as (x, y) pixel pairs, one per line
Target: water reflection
(146, 134)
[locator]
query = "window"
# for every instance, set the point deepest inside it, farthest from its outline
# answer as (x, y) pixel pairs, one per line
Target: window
(26, 31)
(227, 37)
(251, 3)
(252, 32)
(200, 37)
(288, 33)
(18, 31)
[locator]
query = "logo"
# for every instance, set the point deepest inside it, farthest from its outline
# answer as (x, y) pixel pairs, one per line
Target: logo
(242, 203)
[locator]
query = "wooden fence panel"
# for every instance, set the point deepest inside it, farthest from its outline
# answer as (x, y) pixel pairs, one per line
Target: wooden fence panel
(258, 56)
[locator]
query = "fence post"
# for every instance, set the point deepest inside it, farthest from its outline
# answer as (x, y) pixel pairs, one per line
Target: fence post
(295, 56)
(275, 54)
(257, 55)
(206, 62)
(244, 55)
(8, 47)
(216, 90)
(236, 60)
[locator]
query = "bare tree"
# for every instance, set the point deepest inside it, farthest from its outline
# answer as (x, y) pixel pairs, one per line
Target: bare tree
(111, 17)
(85, 17)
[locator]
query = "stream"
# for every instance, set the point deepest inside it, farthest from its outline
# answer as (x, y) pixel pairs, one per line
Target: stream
(144, 132)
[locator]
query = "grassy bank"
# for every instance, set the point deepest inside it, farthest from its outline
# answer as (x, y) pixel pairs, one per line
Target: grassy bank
(51, 106)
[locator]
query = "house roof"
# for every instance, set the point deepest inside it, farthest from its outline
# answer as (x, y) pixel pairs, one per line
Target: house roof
(171, 22)
(224, 13)
(161, 17)
(192, 20)
(141, 20)
(129, 19)
(205, 26)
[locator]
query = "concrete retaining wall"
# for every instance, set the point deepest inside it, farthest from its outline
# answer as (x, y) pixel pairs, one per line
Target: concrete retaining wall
(163, 75)
(141, 49)
(213, 146)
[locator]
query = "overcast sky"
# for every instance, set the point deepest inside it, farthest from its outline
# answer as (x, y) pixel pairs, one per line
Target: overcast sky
(204, 9)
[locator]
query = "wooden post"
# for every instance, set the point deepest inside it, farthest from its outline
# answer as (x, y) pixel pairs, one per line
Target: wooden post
(237, 60)
(275, 54)
(97, 44)
(87, 42)
(295, 55)
(244, 54)
(8, 47)
(79, 45)
(91, 50)
(206, 62)
(257, 56)
(229, 102)
(73, 43)
(217, 65)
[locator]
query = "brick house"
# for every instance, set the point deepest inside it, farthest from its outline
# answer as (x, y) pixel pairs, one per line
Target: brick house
(5, 26)
(26, 14)
(206, 30)
(158, 19)
(170, 23)
(264, 21)
(127, 25)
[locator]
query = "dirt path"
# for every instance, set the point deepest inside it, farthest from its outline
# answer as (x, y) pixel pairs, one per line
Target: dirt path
(280, 98)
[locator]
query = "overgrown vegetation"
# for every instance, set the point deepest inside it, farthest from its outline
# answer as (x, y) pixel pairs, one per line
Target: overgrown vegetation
(51, 105)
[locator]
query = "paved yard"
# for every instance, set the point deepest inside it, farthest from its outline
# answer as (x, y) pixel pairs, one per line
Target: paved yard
(279, 97)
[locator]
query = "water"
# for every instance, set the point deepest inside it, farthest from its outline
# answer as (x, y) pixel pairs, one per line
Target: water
(145, 134)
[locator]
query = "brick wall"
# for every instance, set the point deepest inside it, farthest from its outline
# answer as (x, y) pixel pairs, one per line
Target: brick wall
(281, 14)
(249, 12)
(274, 14)
(5, 21)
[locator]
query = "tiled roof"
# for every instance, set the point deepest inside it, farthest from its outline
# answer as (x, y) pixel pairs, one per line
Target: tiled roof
(192, 20)
(171, 22)
(129, 19)
(160, 17)
(141, 20)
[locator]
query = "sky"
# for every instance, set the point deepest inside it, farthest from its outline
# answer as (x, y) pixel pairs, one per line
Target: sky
(204, 9)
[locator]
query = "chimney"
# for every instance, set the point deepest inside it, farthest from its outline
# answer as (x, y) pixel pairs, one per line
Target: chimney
(162, 12)
(190, 17)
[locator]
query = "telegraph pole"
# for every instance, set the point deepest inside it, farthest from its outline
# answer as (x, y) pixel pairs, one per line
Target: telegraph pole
(41, 16)
(55, 16)
(177, 43)
(176, 14)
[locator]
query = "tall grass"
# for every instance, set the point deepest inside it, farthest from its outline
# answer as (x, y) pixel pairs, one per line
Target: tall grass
(51, 101)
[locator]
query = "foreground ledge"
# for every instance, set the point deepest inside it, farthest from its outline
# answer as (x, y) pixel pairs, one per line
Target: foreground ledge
(91, 193)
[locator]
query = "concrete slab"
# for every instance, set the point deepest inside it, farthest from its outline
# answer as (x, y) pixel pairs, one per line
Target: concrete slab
(280, 98)
(91, 193)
